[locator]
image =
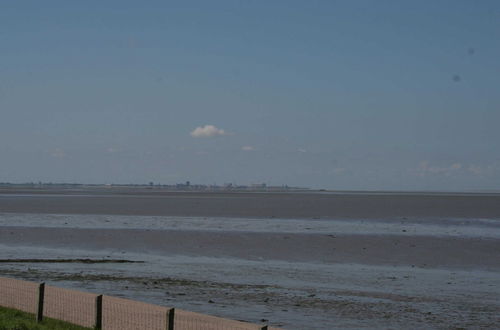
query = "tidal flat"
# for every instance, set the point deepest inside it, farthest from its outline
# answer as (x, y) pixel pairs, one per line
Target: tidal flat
(421, 261)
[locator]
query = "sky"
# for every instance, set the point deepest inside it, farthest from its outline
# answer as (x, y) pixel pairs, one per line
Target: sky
(348, 95)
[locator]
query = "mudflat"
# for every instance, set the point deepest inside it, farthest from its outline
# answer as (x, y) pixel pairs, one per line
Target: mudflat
(242, 204)
(473, 253)
(293, 260)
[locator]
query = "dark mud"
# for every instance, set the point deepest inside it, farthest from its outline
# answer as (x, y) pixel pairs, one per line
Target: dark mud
(82, 261)
(254, 205)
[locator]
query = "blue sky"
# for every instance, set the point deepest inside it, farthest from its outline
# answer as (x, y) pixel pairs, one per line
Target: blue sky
(327, 94)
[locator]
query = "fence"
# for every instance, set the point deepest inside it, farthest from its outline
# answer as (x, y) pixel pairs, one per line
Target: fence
(106, 312)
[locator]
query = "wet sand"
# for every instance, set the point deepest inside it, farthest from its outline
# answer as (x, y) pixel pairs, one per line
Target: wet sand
(252, 205)
(388, 250)
(301, 261)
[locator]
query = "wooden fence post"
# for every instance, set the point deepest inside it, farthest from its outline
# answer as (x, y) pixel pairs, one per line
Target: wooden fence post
(170, 318)
(98, 312)
(41, 295)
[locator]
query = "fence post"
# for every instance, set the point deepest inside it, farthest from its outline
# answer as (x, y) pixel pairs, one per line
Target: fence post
(170, 318)
(41, 295)
(98, 312)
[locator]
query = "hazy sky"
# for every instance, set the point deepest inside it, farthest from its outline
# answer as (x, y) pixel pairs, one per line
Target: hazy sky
(326, 94)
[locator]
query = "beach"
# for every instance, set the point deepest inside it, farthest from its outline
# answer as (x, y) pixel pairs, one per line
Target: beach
(301, 205)
(296, 260)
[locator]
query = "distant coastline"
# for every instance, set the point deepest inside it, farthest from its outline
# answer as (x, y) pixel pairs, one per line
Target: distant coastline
(187, 186)
(41, 187)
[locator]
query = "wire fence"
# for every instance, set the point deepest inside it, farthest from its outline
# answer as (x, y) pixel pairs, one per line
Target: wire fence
(197, 321)
(121, 313)
(69, 305)
(106, 312)
(19, 295)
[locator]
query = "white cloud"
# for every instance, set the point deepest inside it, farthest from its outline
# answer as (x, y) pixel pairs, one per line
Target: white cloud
(301, 150)
(338, 170)
(248, 148)
(207, 131)
(484, 169)
(477, 170)
(425, 168)
(58, 153)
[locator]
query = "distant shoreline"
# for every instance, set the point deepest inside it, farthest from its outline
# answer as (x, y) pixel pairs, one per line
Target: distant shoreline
(166, 189)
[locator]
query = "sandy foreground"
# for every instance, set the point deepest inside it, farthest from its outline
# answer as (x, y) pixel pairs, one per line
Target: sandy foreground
(301, 261)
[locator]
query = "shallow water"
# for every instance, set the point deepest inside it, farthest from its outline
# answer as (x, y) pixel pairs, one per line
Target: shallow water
(486, 228)
(289, 293)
